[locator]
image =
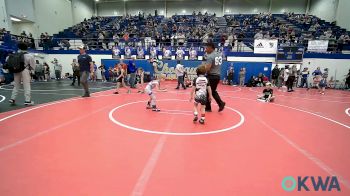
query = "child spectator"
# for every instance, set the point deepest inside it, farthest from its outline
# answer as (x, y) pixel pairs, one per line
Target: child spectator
(323, 82)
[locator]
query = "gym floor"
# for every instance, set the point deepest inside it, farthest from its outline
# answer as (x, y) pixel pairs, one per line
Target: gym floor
(111, 145)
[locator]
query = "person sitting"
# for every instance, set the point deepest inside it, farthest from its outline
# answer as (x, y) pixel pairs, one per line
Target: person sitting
(331, 83)
(252, 82)
(267, 95)
(265, 80)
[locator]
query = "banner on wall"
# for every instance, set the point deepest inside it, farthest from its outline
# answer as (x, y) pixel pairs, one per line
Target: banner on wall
(265, 46)
(167, 68)
(317, 45)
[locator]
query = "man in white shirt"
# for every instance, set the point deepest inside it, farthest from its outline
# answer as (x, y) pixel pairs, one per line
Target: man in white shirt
(179, 70)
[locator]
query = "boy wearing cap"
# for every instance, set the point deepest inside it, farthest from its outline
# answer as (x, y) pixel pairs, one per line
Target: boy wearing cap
(86, 67)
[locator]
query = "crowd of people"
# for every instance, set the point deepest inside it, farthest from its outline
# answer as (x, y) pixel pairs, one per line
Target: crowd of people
(286, 78)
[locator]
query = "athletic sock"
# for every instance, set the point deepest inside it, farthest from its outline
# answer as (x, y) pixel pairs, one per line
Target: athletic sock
(196, 113)
(203, 116)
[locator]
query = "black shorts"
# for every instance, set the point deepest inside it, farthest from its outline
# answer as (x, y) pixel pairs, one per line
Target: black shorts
(201, 99)
(120, 79)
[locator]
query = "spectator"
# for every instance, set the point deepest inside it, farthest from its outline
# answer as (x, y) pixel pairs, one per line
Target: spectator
(280, 82)
(304, 78)
(274, 75)
(317, 76)
(179, 70)
(46, 72)
(240, 39)
(258, 35)
(57, 68)
(242, 74)
(94, 76)
(323, 82)
(103, 72)
(132, 73)
(291, 78)
(23, 76)
(39, 71)
(230, 75)
(76, 72)
(347, 80)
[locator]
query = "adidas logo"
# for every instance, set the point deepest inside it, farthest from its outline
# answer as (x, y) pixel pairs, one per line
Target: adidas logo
(260, 45)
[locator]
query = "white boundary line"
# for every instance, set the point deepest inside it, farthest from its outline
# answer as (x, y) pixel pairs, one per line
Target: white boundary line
(52, 90)
(304, 152)
(347, 111)
(2, 98)
(180, 111)
(175, 113)
(296, 97)
(53, 103)
(169, 132)
(38, 134)
(346, 95)
(300, 110)
(147, 171)
(78, 98)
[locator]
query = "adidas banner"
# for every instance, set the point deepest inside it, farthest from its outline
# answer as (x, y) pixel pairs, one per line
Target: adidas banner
(265, 46)
(317, 46)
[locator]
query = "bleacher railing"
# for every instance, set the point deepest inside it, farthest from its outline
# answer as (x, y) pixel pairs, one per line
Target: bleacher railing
(237, 45)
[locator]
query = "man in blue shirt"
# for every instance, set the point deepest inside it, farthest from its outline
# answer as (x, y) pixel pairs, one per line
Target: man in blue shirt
(132, 72)
(86, 68)
(304, 78)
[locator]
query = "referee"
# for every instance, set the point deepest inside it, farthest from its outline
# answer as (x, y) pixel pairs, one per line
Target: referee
(86, 68)
(213, 67)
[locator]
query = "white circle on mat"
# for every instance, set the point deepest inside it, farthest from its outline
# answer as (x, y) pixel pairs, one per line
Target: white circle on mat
(170, 132)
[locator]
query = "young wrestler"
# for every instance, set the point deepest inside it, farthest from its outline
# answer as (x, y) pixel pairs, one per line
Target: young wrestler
(154, 84)
(199, 93)
(267, 95)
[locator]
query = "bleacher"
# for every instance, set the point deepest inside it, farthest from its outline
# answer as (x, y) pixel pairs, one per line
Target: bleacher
(196, 28)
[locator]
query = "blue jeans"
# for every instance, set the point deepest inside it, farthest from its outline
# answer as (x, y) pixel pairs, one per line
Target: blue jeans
(132, 80)
(180, 80)
(303, 82)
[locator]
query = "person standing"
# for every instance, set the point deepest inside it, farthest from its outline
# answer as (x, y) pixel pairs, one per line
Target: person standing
(242, 73)
(304, 78)
(291, 78)
(274, 75)
(39, 71)
(46, 72)
(347, 80)
(86, 68)
(132, 73)
(230, 75)
(58, 69)
(213, 67)
(76, 72)
(179, 70)
(103, 72)
(94, 77)
(23, 76)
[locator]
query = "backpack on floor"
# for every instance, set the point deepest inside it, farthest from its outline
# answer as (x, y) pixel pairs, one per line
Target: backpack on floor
(15, 62)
